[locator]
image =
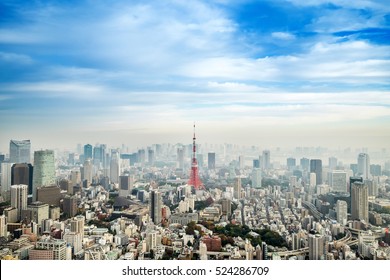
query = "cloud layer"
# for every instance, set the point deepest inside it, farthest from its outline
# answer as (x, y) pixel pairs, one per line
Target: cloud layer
(130, 69)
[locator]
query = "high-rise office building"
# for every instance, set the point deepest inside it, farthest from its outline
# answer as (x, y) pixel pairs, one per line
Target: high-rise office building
(44, 173)
(125, 185)
(22, 174)
(256, 163)
(87, 171)
(332, 163)
(376, 169)
(338, 181)
(50, 195)
(237, 188)
(226, 206)
(20, 151)
(256, 178)
(316, 246)
(77, 225)
(75, 177)
(114, 167)
(316, 167)
(241, 161)
(99, 153)
(359, 201)
(74, 240)
(266, 157)
(39, 211)
(342, 212)
(70, 206)
(155, 206)
(19, 198)
(180, 158)
(88, 151)
(364, 165)
(211, 161)
(141, 157)
(304, 163)
(3, 226)
(151, 157)
(291, 163)
(6, 179)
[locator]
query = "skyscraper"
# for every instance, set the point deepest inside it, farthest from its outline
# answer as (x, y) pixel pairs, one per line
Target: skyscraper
(241, 161)
(237, 188)
(125, 185)
(88, 171)
(211, 161)
(316, 246)
(364, 165)
(87, 151)
(316, 167)
(77, 225)
(266, 160)
(19, 198)
(6, 175)
(19, 151)
(338, 181)
(291, 163)
(359, 201)
(114, 167)
(304, 162)
(22, 173)
(44, 173)
(151, 157)
(256, 178)
(180, 157)
(50, 195)
(155, 205)
(342, 211)
(332, 163)
(70, 206)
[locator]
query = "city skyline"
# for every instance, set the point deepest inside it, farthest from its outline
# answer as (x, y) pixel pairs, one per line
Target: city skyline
(269, 73)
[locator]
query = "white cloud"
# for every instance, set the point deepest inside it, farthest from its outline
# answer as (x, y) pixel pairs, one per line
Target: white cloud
(15, 58)
(283, 36)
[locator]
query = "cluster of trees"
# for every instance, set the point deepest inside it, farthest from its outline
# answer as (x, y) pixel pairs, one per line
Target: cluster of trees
(229, 231)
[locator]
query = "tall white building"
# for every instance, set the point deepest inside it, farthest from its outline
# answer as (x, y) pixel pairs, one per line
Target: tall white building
(338, 181)
(19, 198)
(44, 173)
(316, 247)
(6, 175)
(115, 167)
(77, 225)
(88, 171)
(359, 201)
(3, 226)
(256, 178)
(364, 165)
(74, 239)
(342, 212)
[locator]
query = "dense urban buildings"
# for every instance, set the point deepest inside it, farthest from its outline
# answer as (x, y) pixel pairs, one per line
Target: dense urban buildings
(110, 204)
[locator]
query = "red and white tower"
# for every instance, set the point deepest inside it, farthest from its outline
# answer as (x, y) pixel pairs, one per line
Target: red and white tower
(194, 177)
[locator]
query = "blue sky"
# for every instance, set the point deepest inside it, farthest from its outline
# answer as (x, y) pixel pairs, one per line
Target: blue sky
(280, 72)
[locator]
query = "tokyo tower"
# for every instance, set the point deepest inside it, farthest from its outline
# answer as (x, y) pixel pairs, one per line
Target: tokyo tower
(194, 177)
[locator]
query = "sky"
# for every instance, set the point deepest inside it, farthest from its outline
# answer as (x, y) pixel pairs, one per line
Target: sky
(266, 73)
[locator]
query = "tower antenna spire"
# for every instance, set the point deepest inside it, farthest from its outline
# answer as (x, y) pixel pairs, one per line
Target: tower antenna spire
(194, 176)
